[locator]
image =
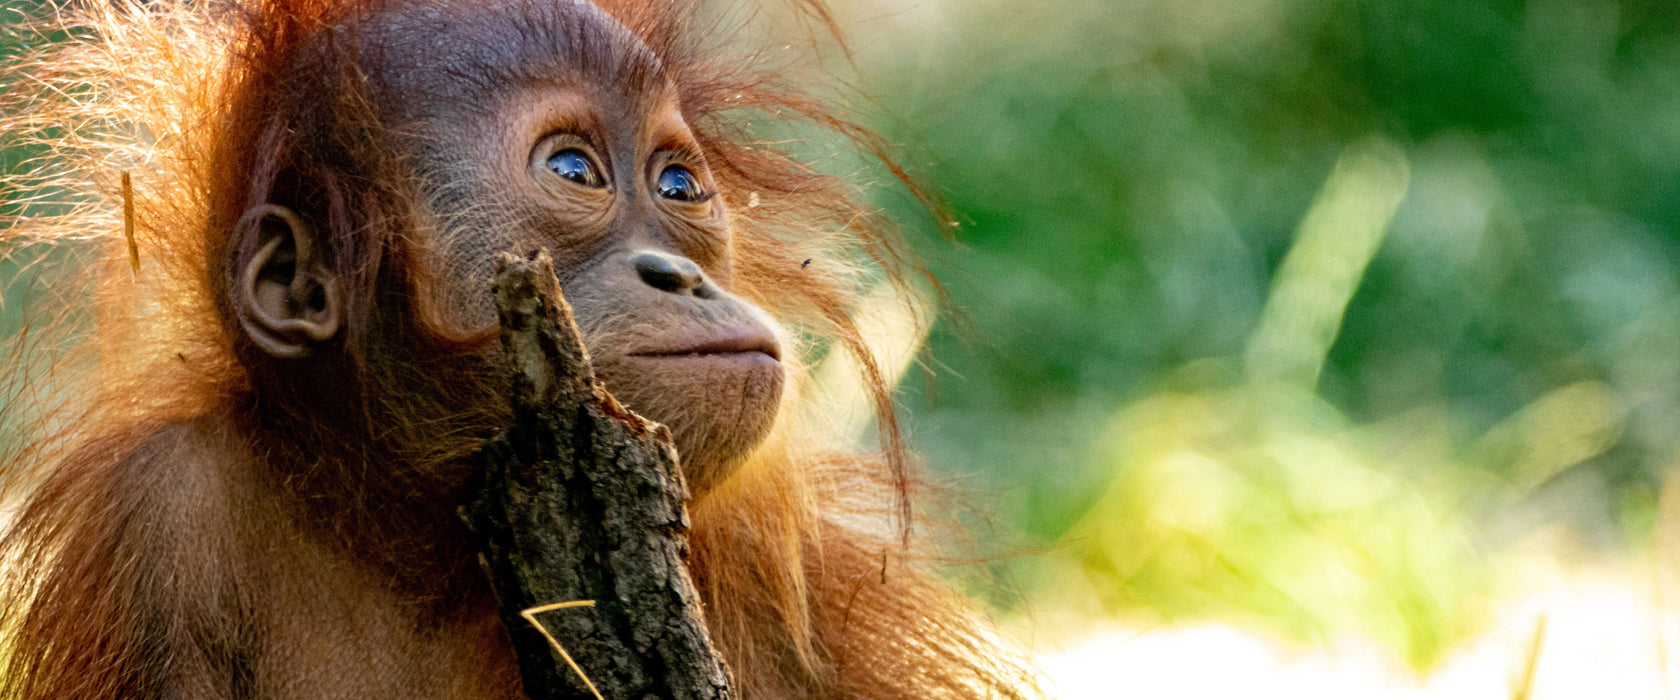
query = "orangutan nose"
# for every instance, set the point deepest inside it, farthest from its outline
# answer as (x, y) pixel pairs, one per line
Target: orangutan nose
(669, 273)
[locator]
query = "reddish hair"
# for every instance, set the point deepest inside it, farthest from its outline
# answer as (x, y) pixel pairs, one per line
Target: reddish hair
(213, 108)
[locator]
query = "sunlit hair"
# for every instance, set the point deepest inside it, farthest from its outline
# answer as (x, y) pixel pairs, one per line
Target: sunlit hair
(214, 107)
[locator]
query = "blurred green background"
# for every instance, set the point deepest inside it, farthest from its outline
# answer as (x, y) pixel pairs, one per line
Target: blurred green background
(1299, 314)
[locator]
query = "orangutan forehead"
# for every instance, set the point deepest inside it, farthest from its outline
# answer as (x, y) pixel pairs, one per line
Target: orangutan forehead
(469, 52)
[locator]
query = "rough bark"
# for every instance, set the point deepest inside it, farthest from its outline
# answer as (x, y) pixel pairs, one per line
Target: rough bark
(583, 500)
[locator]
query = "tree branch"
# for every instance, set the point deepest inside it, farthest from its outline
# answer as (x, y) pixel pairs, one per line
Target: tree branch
(583, 500)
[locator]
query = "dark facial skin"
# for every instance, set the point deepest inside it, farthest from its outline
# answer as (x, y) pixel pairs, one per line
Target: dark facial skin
(592, 160)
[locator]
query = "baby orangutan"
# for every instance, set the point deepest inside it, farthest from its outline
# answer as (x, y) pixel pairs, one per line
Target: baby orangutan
(254, 496)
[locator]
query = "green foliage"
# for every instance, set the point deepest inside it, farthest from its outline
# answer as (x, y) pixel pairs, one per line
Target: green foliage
(1134, 176)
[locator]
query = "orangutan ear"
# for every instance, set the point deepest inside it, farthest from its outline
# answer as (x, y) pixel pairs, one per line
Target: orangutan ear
(287, 298)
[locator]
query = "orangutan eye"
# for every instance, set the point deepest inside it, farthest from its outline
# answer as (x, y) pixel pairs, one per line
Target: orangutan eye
(678, 183)
(575, 165)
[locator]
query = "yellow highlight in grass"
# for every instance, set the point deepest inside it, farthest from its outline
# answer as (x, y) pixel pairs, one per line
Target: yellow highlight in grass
(1336, 240)
(530, 615)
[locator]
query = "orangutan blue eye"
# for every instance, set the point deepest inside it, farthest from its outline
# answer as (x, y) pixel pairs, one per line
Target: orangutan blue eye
(574, 165)
(677, 183)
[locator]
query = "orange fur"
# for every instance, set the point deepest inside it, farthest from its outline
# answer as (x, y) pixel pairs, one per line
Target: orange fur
(158, 543)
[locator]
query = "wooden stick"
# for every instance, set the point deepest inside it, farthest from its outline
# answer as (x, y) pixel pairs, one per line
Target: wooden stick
(583, 500)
